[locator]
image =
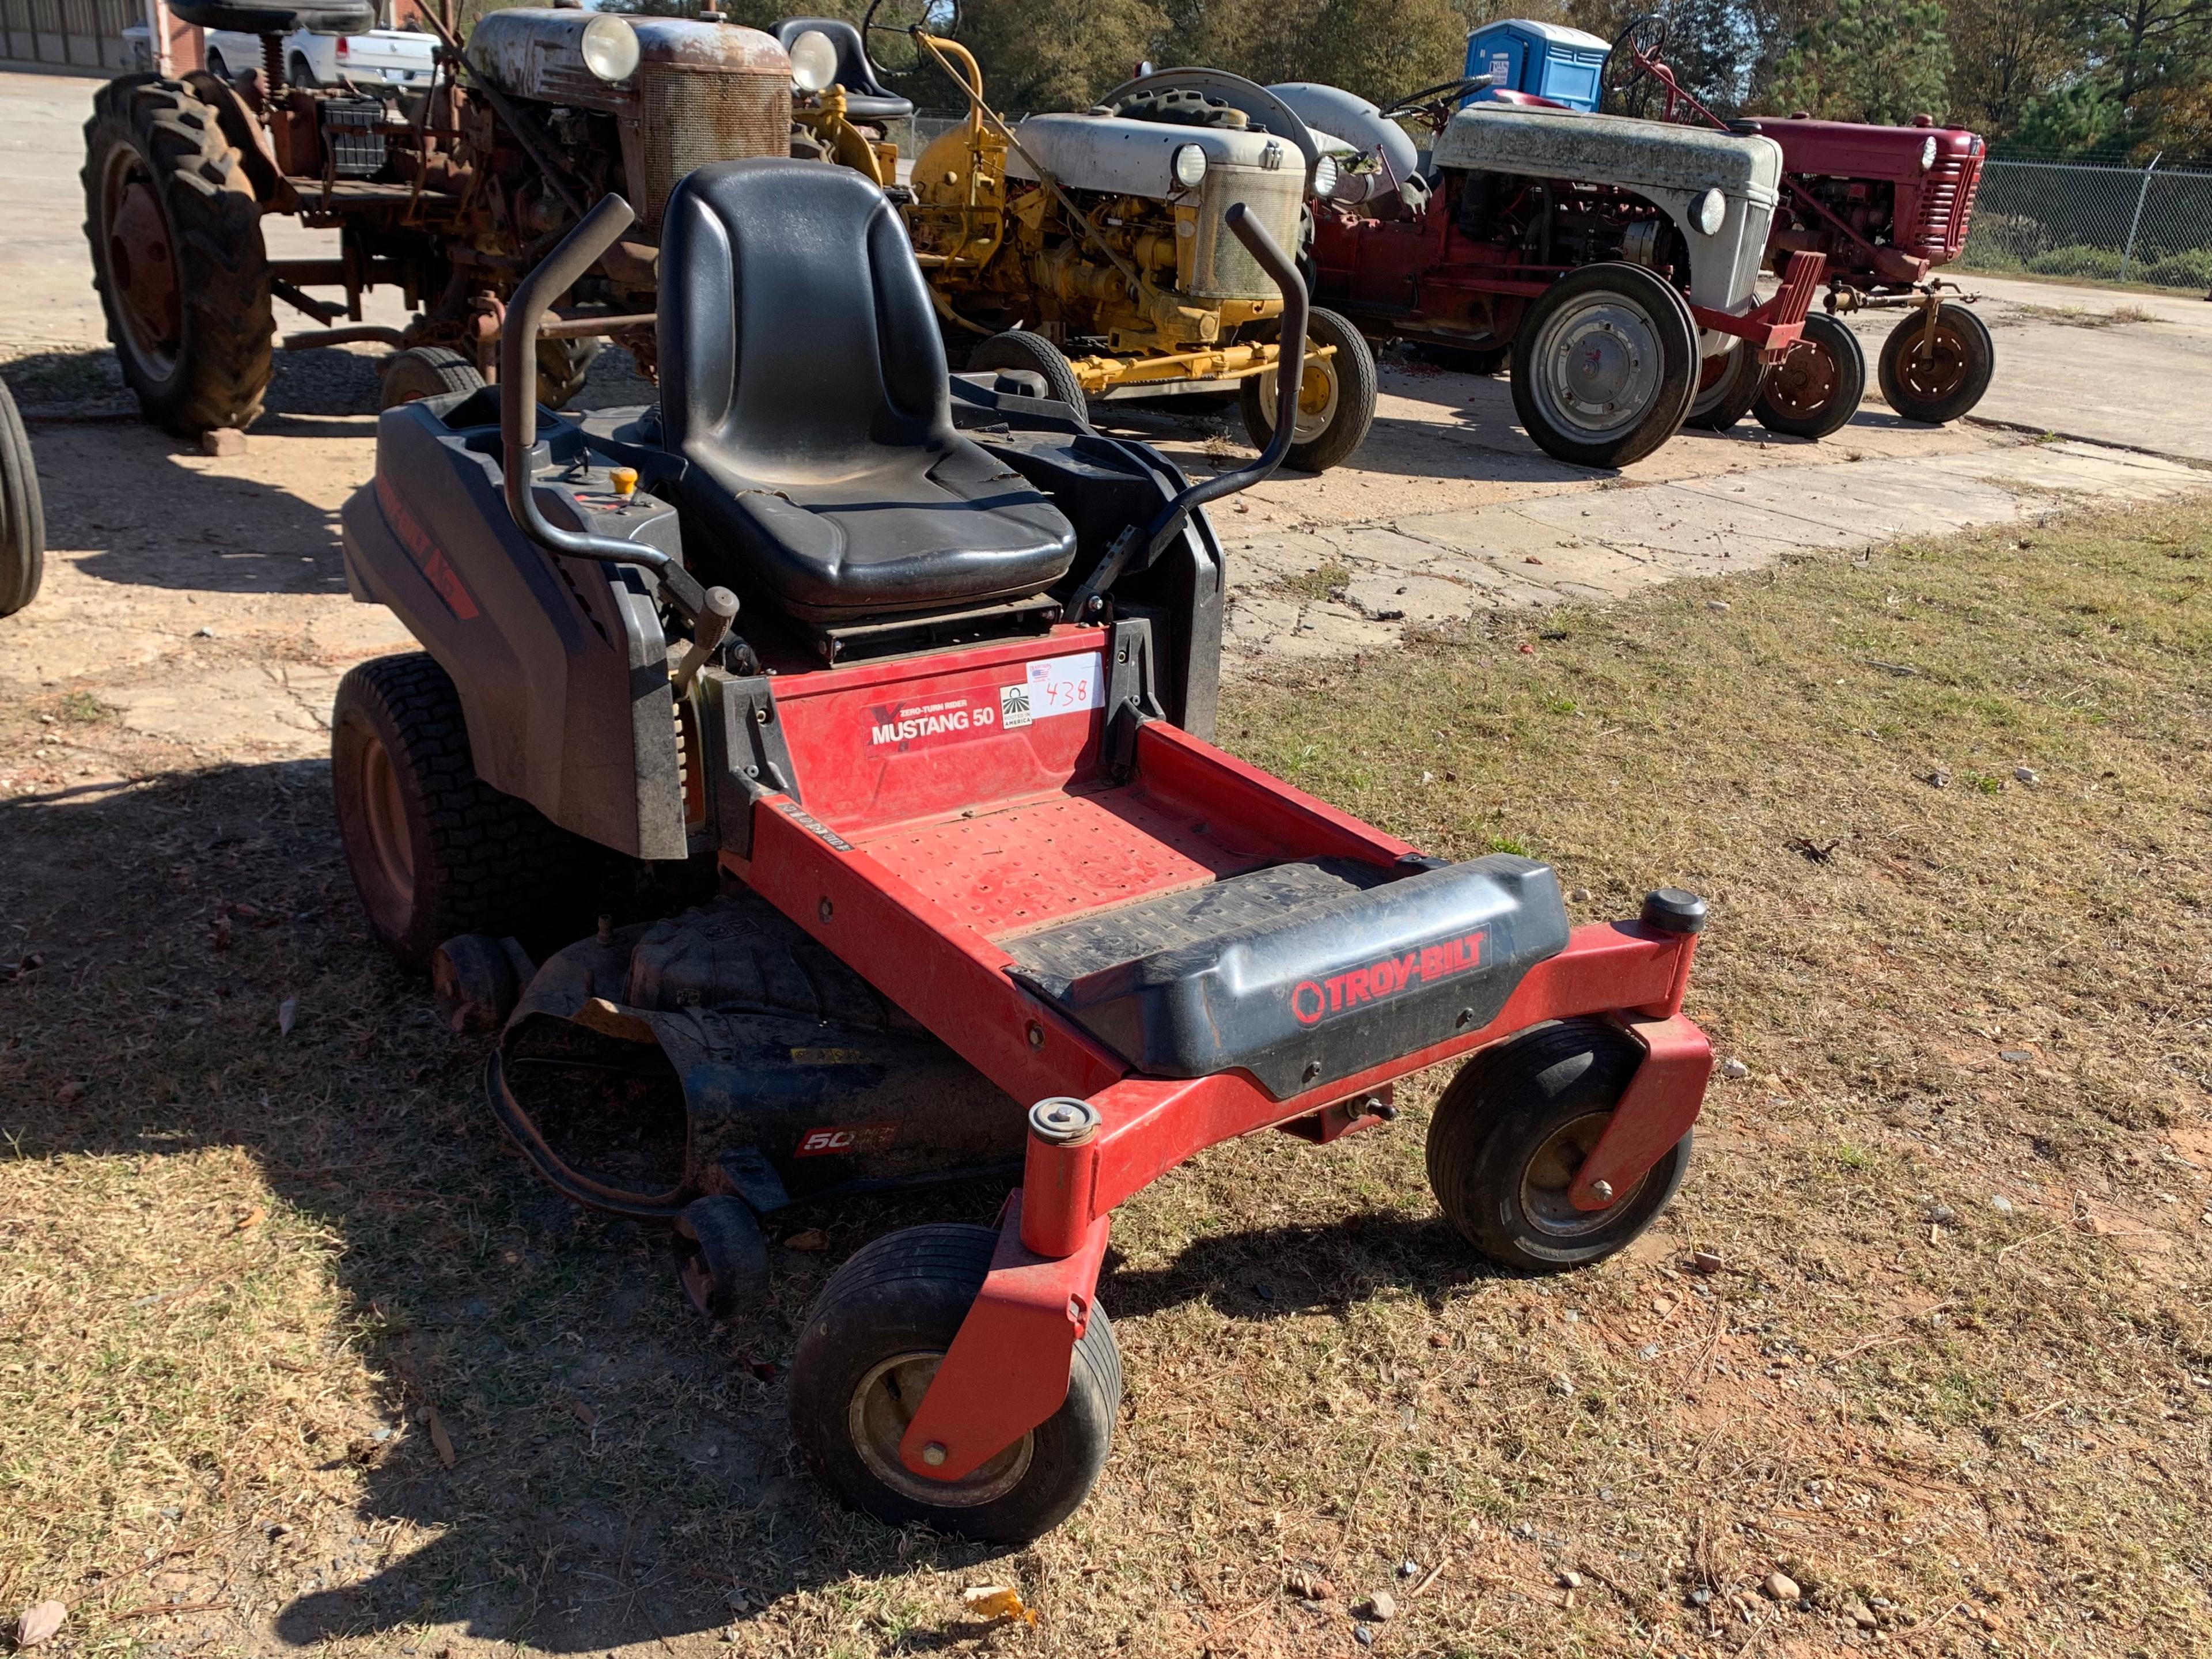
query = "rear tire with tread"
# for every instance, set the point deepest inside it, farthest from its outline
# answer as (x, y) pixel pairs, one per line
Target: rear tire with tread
(207, 365)
(422, 372)
(22, 515)
(433, 850)
(904, 1297)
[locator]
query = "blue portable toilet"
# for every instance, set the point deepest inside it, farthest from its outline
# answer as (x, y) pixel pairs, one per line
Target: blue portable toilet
(1548, 59)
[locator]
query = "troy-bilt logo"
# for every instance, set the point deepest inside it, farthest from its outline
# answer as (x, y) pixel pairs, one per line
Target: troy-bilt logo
(1312, 1000)
(852, 1137)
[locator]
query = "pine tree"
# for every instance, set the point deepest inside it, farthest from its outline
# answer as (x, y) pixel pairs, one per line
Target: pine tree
(1867, 60)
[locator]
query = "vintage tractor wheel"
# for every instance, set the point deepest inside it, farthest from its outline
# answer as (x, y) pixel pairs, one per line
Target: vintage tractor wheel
(871, 1345)
(1605, 365)
(177, 256)
(563, 366)
(1018, 348)
(723, 1257)
(1727, 388)
(1942, 382)
(23, 517)
(434, 851)
(1514, 1127)
(1336, 397)
(1816, 387)
(425, 371)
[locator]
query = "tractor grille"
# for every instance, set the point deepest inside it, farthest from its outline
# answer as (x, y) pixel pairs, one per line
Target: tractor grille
(695, 117)
(1947, 200)
(1222, 269)
(352, 135)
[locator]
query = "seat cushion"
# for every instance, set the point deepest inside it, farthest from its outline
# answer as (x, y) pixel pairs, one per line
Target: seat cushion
(804, 384)
(946, 525)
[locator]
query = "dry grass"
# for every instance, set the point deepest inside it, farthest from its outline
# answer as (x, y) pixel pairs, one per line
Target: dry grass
(243, 1270)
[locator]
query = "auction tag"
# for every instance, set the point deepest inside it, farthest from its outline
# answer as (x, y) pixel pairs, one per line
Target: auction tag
(1067, 685)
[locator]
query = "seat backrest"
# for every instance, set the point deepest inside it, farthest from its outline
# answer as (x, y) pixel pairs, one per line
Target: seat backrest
(797, 339)
(867, 95)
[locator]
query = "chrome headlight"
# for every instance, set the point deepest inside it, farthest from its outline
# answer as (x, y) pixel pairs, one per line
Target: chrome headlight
(1325, 173)
(1189, 164)
(813, 61)
(609, 47)
(1927, 154)
(1708, 212)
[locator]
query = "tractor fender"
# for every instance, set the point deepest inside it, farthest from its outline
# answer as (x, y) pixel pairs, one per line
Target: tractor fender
(248, 138)
(1347, 115)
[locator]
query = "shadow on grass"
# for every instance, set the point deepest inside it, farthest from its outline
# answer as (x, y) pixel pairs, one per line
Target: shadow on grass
(621, 1472)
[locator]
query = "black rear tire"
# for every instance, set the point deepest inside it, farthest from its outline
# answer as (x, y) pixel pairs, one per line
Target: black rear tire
(1941, 388)
(1019, 349)
(22, 515)
(870, 1346)
(1511, 1131)
(162, 184)
(1605, 364)
(1740, 376)
(433, 850)
(1339, 425)
(1816, 387)
(425, 371)
(722, 1257)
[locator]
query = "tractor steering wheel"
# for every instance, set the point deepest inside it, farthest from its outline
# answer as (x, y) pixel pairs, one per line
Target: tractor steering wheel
(1433, 105)
(1645, 36)
(893, 23)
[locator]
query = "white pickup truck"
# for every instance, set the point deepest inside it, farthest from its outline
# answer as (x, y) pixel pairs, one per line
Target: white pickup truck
(393, 57)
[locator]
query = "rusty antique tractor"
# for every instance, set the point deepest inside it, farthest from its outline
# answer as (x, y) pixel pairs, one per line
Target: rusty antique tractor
(449, 193)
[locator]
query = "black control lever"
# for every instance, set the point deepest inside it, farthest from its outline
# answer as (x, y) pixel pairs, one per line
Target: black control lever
(558, 272)
(1290, 368)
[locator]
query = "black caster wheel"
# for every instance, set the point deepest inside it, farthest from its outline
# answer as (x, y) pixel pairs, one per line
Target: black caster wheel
(873, 1342)
(1512, 1130)
(477, 980)
(722, 1257)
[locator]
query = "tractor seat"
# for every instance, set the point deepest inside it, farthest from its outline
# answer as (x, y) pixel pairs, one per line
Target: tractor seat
(279, 17)
(866, 98)
(803, 383)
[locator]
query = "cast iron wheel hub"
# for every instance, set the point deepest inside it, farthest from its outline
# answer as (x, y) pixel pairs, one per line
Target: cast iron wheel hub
(1550, 1172)
(1804, 381)
(1931, 374)
(141, 265)
(882, 1406)
(1599, 365)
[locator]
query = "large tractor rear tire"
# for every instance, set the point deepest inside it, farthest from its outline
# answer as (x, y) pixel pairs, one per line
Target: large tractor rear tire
(177, 256)
(22, 519)
(434, 850)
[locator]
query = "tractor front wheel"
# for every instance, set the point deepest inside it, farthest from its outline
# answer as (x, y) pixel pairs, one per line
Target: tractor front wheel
(422, 372)
(873, 1343)
(1816, 387)
(1020, 350)
(436, 851)
(177, 256)
(1940, 380)
(22, 517)
(1513, 1128)
(1728, 386)
(1336, 397)
(1605, 365)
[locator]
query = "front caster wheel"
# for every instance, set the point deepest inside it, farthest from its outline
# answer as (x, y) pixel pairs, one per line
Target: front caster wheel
(723, 1257)
(1512, 1130)
(873, 1342)
(1940, 381)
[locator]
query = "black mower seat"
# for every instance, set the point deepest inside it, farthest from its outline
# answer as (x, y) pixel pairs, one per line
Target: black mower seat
(804, 381)
(867, 99)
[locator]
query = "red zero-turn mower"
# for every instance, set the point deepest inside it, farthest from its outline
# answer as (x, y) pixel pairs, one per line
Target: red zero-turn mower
(989, 901)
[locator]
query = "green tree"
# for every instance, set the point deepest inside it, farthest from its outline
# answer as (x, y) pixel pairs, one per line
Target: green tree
(1054, 54)
(1883, 61)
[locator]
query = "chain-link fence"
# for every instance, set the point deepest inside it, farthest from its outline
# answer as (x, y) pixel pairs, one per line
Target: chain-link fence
(2108, 224)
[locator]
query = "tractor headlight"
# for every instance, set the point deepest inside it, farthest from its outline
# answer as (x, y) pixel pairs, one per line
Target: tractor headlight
(813, 61)
(1927, 154)
(1709, 212)
(1326, 173)
(1189, 164)
(609, 47)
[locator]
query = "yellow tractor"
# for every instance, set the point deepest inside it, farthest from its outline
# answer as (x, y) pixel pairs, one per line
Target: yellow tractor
(1091, 249)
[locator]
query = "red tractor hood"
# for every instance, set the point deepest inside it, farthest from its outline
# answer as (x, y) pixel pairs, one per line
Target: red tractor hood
(1854, 151)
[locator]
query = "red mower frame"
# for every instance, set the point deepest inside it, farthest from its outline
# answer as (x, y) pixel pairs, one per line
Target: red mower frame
(850, 868)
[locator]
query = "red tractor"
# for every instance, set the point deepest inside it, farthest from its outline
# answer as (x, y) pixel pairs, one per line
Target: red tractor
(1887, 206)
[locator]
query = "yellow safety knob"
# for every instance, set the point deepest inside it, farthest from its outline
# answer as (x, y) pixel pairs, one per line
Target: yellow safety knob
(624, 479)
